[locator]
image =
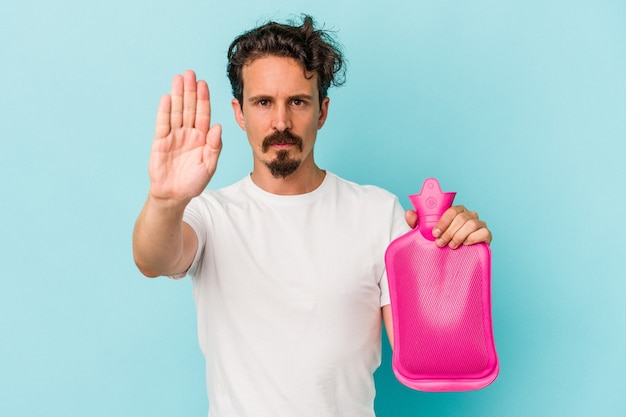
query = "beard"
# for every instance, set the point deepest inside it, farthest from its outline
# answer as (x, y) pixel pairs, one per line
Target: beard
(283, 165)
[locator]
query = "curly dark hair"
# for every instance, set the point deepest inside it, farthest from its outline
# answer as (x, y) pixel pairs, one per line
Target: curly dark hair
(315, 49)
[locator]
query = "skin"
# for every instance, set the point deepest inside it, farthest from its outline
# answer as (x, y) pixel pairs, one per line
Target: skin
(182, 161)
(276, 96)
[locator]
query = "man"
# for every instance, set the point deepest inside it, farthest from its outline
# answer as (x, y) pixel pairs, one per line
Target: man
(287, 264)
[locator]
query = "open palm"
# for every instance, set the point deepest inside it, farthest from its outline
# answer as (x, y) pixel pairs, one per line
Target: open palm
(186, 147)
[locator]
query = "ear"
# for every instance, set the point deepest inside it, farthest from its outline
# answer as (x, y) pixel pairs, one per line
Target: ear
(241, 121)
(323, 113)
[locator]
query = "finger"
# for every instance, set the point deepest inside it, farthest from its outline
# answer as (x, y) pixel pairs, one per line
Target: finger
(411, 218)
(163, 117)
(482, 235)
(458, 221)
(464, 232)
(176, 116)
(203, 110)
(446, 219)
(189, 98)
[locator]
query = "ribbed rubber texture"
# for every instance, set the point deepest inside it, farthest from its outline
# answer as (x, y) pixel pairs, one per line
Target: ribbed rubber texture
(441, 306)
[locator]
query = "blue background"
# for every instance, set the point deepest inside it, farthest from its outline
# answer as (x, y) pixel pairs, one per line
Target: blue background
(519, 106)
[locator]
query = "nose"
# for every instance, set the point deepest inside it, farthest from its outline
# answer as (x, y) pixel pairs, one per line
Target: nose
(282, 118)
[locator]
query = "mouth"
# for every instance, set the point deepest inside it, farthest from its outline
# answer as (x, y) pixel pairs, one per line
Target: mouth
(279, 146)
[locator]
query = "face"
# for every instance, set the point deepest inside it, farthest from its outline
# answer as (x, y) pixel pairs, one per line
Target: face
(281, 114)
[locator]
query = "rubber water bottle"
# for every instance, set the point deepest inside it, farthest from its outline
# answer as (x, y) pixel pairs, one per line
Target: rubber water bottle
(441, 305)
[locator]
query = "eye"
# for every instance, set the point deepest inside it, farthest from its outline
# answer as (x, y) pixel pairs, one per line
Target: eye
(298, 102)
(263, 102)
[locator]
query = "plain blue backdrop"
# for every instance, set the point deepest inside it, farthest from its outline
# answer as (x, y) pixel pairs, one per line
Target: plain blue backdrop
(519, 106)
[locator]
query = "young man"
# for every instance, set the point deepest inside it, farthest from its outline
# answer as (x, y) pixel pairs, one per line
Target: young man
(288, 263)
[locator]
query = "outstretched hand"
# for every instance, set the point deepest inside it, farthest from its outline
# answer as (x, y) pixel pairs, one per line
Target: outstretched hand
(457, 226)
(186, 147)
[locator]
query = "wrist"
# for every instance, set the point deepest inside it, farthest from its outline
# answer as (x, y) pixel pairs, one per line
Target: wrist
(171, 205)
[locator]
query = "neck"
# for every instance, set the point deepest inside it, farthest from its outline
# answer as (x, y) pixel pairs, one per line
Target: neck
(304, 180)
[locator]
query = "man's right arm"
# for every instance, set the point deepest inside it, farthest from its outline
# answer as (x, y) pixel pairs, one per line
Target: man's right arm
(182, 161)
(163, 244)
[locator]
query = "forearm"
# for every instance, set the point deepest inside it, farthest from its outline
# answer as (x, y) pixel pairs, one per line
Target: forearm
(388, 321)
(160, 244)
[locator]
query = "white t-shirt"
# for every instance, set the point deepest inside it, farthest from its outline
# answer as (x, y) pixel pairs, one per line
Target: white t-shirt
(288, 292)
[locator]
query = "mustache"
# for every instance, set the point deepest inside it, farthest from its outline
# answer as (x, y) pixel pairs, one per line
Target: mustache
(281, 138)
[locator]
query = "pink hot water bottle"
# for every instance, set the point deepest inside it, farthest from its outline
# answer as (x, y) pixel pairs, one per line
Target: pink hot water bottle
(441, 305)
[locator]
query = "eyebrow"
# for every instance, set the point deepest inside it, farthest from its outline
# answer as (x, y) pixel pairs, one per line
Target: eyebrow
(294, 97)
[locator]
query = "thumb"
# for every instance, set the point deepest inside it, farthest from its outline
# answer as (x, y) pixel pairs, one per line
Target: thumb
(213, 146)
(411, 218)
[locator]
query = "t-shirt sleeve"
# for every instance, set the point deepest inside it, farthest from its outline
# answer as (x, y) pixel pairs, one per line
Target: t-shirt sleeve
(398, 227)
(193, 217)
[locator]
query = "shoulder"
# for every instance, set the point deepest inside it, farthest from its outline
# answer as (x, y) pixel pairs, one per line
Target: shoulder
(227, 195)
(362, 191)
(376, 209)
